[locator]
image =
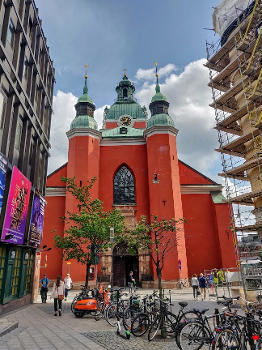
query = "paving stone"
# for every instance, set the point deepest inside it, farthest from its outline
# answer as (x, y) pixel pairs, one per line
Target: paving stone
(39, 329)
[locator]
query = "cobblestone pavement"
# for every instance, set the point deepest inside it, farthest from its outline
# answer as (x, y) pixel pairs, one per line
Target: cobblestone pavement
(40, 330)
(112, 342)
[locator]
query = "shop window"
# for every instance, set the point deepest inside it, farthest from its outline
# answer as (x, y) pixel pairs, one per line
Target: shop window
(29, 271)
(16, 272)
(2, 266)
(11, 32)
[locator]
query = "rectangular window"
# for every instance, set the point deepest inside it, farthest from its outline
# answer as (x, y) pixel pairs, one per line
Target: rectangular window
(2, 110)
(18, 134)
(11, 32)
(16, 272)
(29, 272)
(30, 28)
(2, 266)
(25, 67)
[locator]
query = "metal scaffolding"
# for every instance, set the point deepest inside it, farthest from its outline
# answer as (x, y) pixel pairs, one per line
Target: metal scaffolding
(235, 70)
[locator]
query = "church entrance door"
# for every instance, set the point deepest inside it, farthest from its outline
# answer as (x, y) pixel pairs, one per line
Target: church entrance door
(123, 263)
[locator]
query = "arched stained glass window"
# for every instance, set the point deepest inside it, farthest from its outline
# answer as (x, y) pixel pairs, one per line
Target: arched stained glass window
(124, 186)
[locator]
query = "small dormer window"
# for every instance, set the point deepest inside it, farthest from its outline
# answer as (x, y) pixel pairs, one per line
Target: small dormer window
(125, 93)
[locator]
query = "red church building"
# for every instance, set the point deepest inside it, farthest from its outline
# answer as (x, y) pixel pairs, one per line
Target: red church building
(134, 159)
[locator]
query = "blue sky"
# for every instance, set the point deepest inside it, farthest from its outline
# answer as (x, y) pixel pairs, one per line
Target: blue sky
(110, 35)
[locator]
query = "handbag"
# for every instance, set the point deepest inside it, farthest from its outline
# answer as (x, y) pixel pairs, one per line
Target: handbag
(61, 297)
(198, 292)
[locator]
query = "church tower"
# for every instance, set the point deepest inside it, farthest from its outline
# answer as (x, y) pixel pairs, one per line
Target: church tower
(163, 178)
(125, 111)
(83, 153)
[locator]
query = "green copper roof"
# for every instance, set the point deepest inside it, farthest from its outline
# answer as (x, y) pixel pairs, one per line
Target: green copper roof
(131, 132)
(218, 197)
(83, 121)
(160, 119)
(85, 97)
(158, 96)
(125, 103)
(125, 108)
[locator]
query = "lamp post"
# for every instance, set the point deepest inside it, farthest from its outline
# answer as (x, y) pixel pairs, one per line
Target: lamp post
(112, 236)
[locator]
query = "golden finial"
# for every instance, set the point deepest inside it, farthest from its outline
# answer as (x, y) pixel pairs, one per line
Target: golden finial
(125, 70)
(156, 74)
(86, 66)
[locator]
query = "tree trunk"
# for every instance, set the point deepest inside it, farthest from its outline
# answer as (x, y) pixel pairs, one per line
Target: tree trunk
(159, 276)
(87, 273)
(162, 326)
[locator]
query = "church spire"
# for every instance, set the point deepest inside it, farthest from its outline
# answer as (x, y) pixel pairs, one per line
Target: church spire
(85, 89)
(159, 107)
(84, 110)
(157, 84)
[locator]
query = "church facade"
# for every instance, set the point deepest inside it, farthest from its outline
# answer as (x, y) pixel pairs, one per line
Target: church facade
(134, 159)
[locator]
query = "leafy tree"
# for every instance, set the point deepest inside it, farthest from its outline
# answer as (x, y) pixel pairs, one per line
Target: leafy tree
(159, 237)
(87, 232)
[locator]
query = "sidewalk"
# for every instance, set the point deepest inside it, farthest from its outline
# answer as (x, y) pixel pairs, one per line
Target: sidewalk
(39, 329)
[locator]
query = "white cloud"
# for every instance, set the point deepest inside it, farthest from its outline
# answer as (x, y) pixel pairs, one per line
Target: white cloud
(99, 113)
(189, 98)
(149, 74)
(63, 114)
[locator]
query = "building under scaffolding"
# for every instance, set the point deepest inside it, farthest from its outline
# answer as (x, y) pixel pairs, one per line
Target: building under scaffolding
(235, 65)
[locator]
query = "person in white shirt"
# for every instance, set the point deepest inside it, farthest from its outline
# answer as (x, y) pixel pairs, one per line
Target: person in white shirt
(195, 285)
(58, 293)
(68, 285)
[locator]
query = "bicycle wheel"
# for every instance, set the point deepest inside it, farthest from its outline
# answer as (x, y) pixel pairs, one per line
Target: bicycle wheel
(226, 340)
(128, 316)
(154, 328)
(194, 336)
(110, 315)
(140, 325)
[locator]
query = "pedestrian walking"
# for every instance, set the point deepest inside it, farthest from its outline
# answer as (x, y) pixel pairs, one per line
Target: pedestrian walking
(202, 285)
(195, 285)
(68, 285)
(221, 276)
(44, 288)
(131, 282)
(58, 294)
(211, 282)
(215, 277)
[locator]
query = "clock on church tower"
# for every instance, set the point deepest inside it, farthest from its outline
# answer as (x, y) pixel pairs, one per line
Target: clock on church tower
(125, 120)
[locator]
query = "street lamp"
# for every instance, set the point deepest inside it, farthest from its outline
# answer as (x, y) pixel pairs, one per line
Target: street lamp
(44, 249)
(112, 236)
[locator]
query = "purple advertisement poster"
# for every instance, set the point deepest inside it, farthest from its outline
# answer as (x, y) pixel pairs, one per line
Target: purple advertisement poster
(3, 170)
(16, 208)
(37, 221)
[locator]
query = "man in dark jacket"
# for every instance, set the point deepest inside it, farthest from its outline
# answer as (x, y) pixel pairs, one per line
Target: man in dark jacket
(202, 285)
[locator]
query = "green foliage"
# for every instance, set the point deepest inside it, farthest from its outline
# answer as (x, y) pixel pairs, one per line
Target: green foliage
(88, 227)
(158, 237)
